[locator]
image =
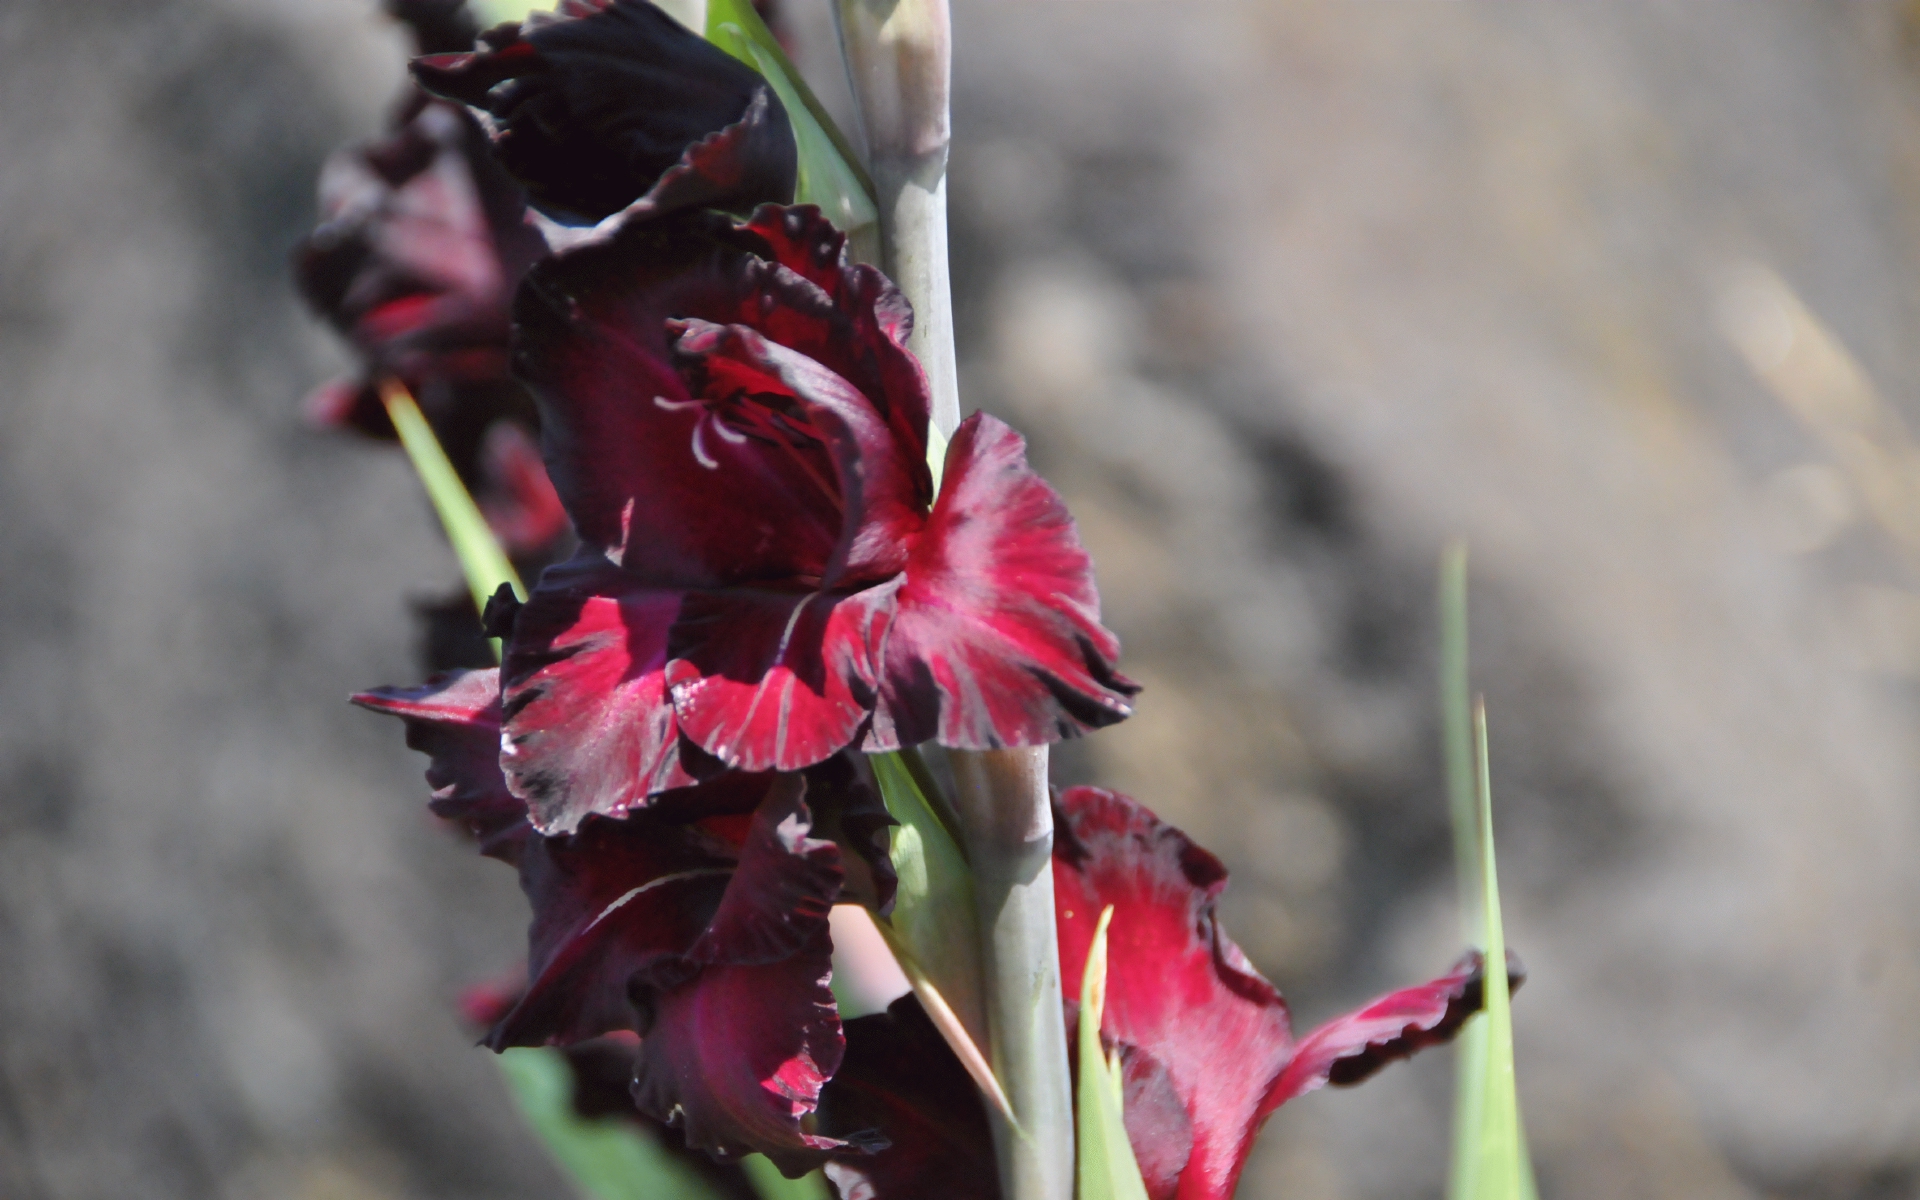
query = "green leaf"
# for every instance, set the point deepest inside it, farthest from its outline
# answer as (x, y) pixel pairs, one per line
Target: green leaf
(934, 929)
(1490, 1159)
(479, 552)
(772, 1185)
(830, 172)
(1106, 1166)
(933, 917)
(607, 1158)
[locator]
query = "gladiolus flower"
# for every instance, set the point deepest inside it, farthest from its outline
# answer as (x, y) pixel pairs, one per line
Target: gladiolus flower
(1206, 1044)
(608, 105)
(766, 578)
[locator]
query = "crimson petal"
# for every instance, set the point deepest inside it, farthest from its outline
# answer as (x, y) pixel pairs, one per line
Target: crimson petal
(1348, 1049)
(612, 902)
(742, 1034)
(859, 332)
(996, 638)
(772, 681)
(455, 720)
(1181, 993)
(596, 104)
(420, 243)
(1177, 987)
(765, 386)
(588, 727)
(648, 474)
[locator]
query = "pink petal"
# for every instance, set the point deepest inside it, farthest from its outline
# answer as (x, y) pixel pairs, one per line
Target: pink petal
(588, 728)
(772, 681)
(1177, 987)
(996, 638)
(1348, 1049)
(455, 720)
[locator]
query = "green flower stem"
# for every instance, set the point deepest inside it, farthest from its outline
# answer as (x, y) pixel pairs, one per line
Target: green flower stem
(899, 62)
(1006, 823)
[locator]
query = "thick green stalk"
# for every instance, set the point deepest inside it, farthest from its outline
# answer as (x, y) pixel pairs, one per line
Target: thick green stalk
(1006, 823)
(899, 61)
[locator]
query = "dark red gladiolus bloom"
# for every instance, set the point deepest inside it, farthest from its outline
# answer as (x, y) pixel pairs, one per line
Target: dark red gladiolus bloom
(612, 103)
(734, 424)
(699, 923)
(1208, 1051)
(421, 242)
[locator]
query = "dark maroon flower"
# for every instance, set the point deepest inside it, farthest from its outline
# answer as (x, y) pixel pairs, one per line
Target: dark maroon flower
(421, 241)
(735, 427)
(1207, 1048)
(699, 923)
(612, 103)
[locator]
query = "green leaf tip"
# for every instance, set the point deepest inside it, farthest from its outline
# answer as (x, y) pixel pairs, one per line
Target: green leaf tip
(1107, 1169)
(1490, 1159)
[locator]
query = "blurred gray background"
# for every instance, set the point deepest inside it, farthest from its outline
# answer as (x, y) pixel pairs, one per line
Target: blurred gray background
(1286, 295)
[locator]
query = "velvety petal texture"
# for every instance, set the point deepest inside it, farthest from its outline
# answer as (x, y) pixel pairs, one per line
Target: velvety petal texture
(454, 719)
(699, 922)
(608, 104)
(732, 420)
(589, 730)
(899, 1082)
(602, 1072)
(1201, 1032)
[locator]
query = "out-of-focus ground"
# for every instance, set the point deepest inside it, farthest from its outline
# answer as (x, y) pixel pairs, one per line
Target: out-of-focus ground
(1285, 295)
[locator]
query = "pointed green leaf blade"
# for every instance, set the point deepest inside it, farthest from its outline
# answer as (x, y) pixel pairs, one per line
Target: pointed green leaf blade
(1490, 1160)
(830, 172)
(933, 921)
(1504, 1170)
(1106, 1167)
